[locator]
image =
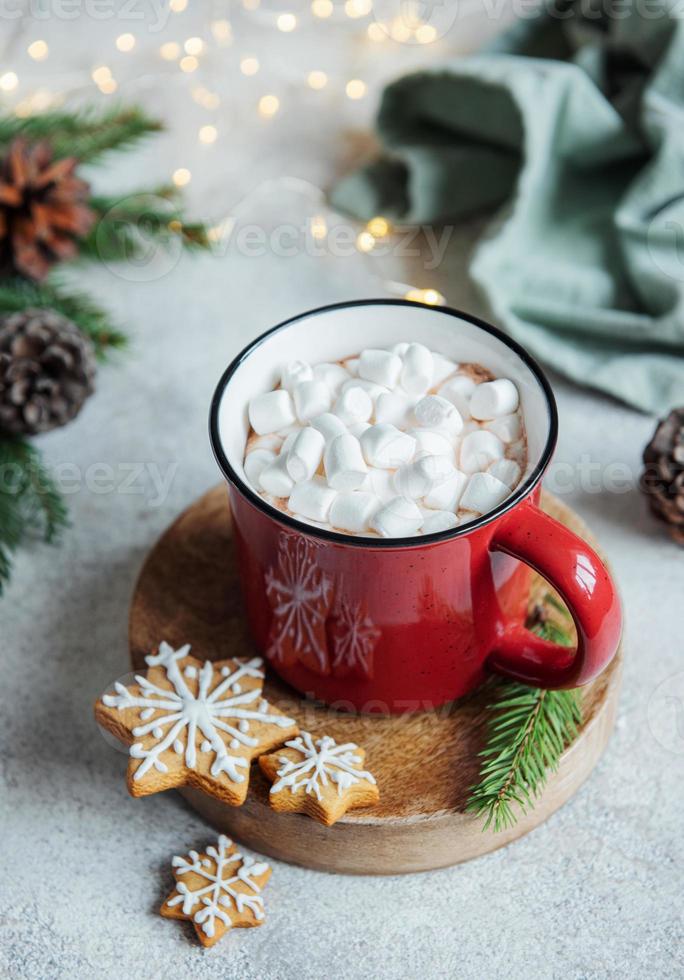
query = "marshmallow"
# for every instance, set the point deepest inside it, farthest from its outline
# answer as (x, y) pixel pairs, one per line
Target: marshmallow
(311, 398)
(272, 441)
(305, 454)
(431, 443)
(393, 407)
(353, 511)
(289, 440)
(332, 375)
(417, 370)
(506, 427)
(399, 518)
(255, 462)
(447, 495)
(479, 449)
(312, 499)
(418, 478)
(275, 479)
(441, 369)
(459, 391)
(353, 405)
(329, 425)
(352, 365)
(437, 468)
(381, 366)
(345, 468)
(435, 412)
(358, 429)
(506, 470)
(294, 372)
(385, 446)
(370, 387)
(288, 430)
(439, 520)
(380, 483)
(400, 348)
(494, 398)
(271, 411)
(483, 493)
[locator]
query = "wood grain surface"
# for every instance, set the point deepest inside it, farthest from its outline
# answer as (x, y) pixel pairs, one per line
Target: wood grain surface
(188, 592)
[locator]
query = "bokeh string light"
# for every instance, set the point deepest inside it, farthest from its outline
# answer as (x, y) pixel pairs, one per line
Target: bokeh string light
(38, 50)
(125, 42)
(8, 81)
(170, 51)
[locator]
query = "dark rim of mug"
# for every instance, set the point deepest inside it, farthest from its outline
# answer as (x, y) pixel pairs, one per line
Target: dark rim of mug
(356, 541)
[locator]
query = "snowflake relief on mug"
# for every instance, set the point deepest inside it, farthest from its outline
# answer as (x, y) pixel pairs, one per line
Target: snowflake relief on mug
(353, 638)
(300, 595)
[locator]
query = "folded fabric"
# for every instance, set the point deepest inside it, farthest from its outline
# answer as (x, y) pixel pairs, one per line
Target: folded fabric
(572, 126)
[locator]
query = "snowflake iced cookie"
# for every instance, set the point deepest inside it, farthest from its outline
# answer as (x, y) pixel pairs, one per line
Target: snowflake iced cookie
(217, 891)
(318, 777)
(194, 723)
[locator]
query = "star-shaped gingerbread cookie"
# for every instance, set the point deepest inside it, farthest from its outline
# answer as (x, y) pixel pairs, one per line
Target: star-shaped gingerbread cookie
(217, 890)
(318, 777)
(194, 723)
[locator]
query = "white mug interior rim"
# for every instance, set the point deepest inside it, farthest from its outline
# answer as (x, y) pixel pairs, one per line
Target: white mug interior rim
(343, 330)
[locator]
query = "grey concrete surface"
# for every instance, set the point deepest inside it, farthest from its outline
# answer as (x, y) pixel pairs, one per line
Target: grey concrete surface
(595, 892)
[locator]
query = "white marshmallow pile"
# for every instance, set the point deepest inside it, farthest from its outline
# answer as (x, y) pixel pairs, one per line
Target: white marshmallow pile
(394, 443)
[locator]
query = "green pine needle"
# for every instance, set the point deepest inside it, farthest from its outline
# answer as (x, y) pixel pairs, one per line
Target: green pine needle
(18, 294)
(87, 134)
(527, 734)
(30, 503)
(126, 226)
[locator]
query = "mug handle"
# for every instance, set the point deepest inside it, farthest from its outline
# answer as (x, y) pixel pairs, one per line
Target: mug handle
(583, 582)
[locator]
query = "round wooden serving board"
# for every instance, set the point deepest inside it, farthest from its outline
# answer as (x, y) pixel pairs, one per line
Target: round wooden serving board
(424, 763)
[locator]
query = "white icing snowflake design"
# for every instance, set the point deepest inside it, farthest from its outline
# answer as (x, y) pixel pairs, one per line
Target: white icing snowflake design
(217, 897)
(184, 714)
(321, 761)
(354, 640)
(300, 596)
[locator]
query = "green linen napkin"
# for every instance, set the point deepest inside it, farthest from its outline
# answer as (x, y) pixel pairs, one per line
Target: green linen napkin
(572, 125)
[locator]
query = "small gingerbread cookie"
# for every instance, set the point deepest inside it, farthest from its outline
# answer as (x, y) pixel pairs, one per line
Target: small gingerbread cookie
(319, 778)
(217, 890)
(194, 723)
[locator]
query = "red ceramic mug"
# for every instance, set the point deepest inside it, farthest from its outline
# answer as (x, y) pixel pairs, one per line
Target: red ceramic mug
(405, 624)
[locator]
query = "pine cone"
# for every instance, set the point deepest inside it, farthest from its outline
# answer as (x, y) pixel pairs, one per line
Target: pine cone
(47, 369)
(663, 477)
(43, 209)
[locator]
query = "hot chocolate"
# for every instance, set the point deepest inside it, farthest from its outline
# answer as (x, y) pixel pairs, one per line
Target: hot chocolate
(395, 443)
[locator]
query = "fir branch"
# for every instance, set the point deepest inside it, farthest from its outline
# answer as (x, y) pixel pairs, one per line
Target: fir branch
(528, 732)
(30, 503)
(18, 294)
(127, 225)
(86, 134)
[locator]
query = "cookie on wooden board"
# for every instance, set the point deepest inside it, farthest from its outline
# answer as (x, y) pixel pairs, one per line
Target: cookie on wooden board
(318, 777)
(194, 723)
